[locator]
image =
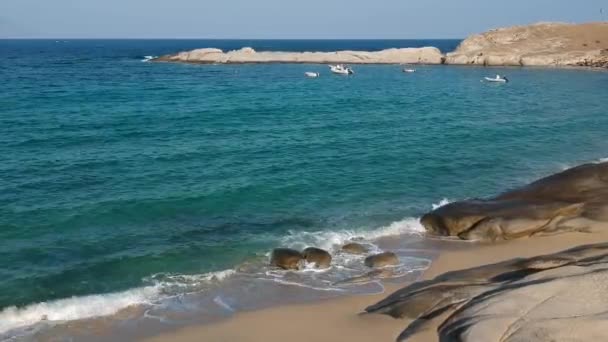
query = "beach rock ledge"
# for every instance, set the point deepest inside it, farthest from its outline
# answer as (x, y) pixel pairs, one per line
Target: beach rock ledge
(572, 200)
(554, 297)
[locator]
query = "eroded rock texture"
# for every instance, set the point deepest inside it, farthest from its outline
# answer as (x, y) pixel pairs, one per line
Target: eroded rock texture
(573, 200)
(556, 297)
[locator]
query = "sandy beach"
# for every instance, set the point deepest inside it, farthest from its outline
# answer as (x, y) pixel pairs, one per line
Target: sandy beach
(340, 319)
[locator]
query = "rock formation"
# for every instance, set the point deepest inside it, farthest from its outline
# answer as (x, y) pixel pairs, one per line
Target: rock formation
(321, 258)
(542, 44)
(556, 297)
(572, 200)
(425, 55)
(286, 258)
(382, 260)
(354, 248)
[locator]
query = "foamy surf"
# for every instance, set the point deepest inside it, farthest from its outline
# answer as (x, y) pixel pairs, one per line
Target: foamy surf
(225, 287)
(330, 240)
(148, 58)
(75, 308)
(99, 305)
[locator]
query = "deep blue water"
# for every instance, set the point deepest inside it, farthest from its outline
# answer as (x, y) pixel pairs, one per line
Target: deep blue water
(113, 170)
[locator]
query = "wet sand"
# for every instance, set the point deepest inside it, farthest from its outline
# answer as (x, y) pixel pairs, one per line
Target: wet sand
(339, 319)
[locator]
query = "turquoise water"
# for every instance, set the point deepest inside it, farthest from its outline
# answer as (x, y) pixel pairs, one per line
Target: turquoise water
(116, 172)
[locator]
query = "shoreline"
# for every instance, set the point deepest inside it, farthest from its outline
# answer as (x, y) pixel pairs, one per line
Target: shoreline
(338, 319)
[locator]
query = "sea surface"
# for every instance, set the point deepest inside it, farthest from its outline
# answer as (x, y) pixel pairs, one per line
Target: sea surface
(153, 192)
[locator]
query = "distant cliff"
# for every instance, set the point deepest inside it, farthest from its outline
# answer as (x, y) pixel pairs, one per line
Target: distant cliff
(542, 44)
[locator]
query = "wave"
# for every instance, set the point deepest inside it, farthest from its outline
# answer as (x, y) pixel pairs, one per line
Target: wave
(148, 58)
(76, 307)
(83, 307)
(441, 203)
(164, 286)
(328, 240)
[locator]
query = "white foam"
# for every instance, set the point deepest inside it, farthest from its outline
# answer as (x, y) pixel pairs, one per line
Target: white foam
(148, 58)
(76, 307)
(441, 203)
(91, 306)
(329, 239)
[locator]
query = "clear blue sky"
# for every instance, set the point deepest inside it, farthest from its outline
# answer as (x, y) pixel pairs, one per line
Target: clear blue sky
(281, 18)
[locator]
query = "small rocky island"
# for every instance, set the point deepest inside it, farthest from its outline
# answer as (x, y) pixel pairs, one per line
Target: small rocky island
(542, 44)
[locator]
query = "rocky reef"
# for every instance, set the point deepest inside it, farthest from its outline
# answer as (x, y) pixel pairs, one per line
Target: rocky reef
(425, 55)
(555, 297)
(572, 200)
(542, 44)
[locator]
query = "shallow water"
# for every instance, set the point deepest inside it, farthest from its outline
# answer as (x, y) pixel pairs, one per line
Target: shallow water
(124, 182)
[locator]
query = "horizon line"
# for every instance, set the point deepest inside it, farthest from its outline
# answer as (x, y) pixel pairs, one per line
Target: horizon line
(204, 38)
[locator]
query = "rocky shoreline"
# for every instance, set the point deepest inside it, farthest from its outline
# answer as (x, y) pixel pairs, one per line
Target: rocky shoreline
(542, 44)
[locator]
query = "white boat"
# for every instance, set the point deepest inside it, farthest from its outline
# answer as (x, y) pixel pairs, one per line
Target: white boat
(341, 69)
(498, 78)
(409, 70)
(312, 74)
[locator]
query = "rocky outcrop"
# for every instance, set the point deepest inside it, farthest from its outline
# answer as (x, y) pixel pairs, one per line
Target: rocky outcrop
(556, 297)
(382, 260)
(354, 248)
(317, 256)
(286, 258)
(542, 44)
(425, 55)
(572, 200)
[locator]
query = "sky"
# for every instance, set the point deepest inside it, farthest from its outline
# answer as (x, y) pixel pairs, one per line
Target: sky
(250, 19)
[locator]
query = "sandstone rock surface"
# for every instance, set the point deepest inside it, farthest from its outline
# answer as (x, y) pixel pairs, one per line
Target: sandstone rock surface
(555, 297)
(542, 44)
(572, 200)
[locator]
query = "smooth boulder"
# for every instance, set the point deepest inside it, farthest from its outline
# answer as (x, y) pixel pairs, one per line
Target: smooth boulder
(572, 200)
(382, 260)
(554, 297)
(286, 258)
(321, 258)
(354, 248)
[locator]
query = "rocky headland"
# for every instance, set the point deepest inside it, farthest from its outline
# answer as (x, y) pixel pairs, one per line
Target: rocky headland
(542, 44)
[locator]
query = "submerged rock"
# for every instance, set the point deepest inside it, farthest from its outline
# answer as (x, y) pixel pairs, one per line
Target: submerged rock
(555, 297)
(354, 248)
(572, 200)
(286, 258)
(382, 260)
(321, 258)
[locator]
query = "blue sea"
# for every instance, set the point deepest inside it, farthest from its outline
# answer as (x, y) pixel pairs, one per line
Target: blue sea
(153, 192)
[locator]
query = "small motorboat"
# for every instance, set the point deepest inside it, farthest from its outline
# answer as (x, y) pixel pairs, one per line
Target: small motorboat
(312, 74)
(498, 79)
(341, 69)
(409, 70)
